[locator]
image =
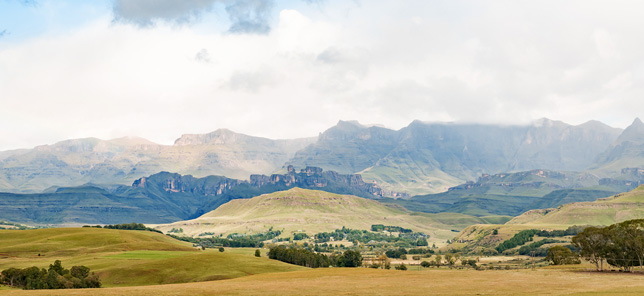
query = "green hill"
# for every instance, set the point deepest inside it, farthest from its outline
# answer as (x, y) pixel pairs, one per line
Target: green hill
(604, 211)
(129, 258)
(314, 211)
(514, 193)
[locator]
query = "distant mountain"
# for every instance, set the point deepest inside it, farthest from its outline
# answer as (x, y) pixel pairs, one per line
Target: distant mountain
(313, 211)
(514, 193)
(418, 159)
(121, 161)
(627, 151)
(165, 197)
(431, 157)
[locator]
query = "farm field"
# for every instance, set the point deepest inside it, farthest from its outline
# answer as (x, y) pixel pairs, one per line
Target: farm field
(362, 281)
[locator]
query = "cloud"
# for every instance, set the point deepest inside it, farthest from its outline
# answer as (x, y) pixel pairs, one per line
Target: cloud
(203, 56)
(246, 16)
(249, 16)
(3, 33)
(146, 12)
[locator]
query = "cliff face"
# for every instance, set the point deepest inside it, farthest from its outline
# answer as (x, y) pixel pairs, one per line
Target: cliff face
(309, 177)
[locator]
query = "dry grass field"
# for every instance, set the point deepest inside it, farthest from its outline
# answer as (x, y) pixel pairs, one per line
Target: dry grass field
(361, 281)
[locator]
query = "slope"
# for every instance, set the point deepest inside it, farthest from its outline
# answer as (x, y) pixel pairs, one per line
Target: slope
(604, 211)
(312, 211)
(128, 258)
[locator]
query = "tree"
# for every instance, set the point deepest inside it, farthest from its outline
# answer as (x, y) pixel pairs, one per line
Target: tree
(425, 264)
(438, 259)
(592, 243)
(560, 255)
(401, 267)
(258, 253)
(351, 258)
(80, 272)
(221, 249)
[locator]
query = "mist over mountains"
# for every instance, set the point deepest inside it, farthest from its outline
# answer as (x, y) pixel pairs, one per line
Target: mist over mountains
(418, 159)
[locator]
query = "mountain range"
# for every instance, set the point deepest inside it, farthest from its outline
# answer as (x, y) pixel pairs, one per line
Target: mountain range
(421, 158)
(166, 197)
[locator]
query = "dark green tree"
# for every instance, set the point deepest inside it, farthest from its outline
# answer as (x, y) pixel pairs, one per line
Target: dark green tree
(560, 255)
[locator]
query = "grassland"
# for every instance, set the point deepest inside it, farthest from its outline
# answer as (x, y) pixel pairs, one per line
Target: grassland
(362, 281)
(129, 258)
(313, 211)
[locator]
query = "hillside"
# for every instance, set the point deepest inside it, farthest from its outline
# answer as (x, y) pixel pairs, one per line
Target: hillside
(121, 161)
(602, 212)
(313, 211)
(605, 211)
(129, 258)
(514, 193)
(624, 152)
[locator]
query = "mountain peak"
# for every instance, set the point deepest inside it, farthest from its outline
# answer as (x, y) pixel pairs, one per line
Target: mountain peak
(220, 136)
(633, 133)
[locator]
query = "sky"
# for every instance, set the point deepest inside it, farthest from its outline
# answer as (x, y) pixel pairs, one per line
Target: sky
(279, 69)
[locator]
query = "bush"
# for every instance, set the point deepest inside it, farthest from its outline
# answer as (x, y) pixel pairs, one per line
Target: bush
(425, 264)
(56, 277)
(221, 249)
(258, 253)
(401, 267)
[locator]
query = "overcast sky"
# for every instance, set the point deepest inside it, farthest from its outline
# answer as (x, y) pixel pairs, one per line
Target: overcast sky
(285, 69)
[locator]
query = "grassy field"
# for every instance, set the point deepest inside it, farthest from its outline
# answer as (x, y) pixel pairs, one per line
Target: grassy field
(313, 211)
(129, 258)
(361, 281)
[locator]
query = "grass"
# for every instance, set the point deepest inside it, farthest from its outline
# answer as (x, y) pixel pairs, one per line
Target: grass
(362, 281)
(130, 258)
(313, 211)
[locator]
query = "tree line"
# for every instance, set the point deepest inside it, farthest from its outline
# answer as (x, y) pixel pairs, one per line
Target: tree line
(125, 226)
(311, 259)
(55, 277)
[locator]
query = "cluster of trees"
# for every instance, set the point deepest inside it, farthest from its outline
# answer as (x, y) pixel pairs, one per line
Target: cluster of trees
(300, 236)
(525, 236)
(620, 245)
(518, 239)
(55, 277)
(216, 242)
(311, 259)
(300, 257)
(233, 240)
(407, 238)
(559, 255)
(125, 226)
(380, 228)
(398, 253)
(533, 248)
(572, 230)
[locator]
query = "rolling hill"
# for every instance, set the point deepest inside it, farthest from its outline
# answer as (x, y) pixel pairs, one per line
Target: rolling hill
(129, 258)
(514, 193)
(313, 211)
(602, 212)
